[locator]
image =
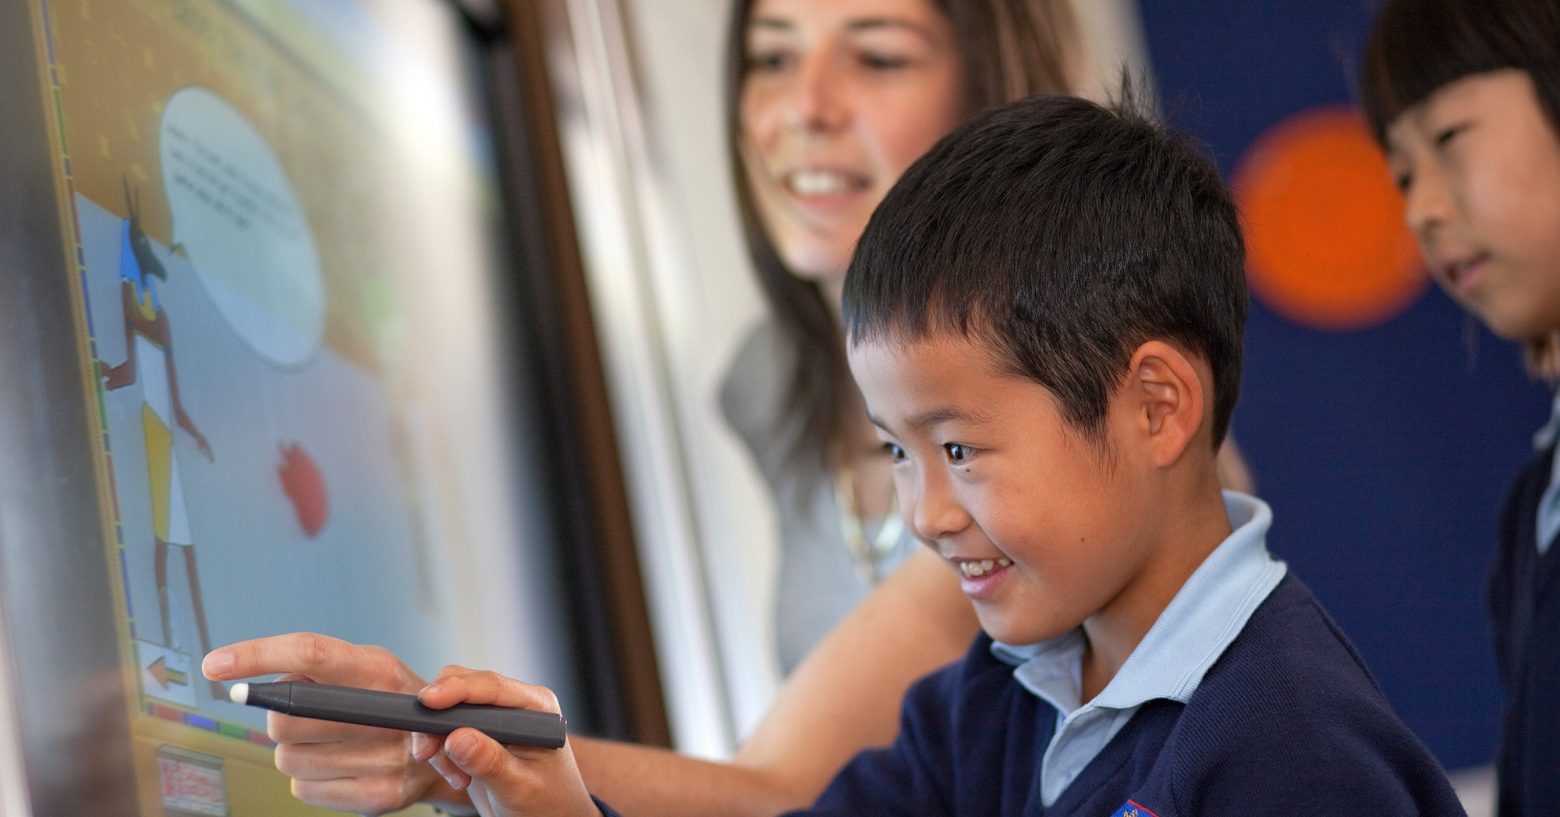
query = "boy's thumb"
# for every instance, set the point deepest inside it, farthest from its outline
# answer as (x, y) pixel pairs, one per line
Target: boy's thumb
(475, 753)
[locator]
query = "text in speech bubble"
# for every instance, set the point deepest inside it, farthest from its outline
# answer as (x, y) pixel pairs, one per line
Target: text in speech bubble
(242, 227)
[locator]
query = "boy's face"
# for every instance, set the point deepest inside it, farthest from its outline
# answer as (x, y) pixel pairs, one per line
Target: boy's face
(1479, 166)
(1043, 526)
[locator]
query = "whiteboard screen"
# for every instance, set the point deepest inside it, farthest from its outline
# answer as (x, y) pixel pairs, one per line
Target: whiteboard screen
(262, 300)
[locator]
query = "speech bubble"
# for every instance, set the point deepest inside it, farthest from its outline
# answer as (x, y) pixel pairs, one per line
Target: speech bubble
(242, 227)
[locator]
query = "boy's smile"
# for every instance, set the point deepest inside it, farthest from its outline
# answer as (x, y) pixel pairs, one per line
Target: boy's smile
(1045, 528)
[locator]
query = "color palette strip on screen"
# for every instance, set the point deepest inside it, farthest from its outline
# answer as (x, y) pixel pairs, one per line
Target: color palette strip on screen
(232, 730)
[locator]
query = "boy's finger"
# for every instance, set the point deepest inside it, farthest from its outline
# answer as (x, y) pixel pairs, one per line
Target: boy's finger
(372, 796)
(451, 671)
(317, 657)
(288, 729)
(328, 761)
(449, 770)
(488, 688)
(476, 755)
(301, 653)
(425, 746)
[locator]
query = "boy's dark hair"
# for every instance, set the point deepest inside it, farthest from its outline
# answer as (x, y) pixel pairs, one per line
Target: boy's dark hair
(1063, 235)
(1418, 46)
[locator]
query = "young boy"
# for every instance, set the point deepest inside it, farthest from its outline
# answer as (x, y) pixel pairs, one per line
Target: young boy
(1045, 320)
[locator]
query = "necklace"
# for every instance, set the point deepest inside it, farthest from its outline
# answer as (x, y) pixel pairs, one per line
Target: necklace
(867, 554)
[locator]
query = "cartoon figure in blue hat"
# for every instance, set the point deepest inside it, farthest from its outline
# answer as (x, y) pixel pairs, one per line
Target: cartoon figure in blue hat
(149, 364)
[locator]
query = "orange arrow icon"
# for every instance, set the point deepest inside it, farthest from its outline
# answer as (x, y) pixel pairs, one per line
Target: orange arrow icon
(166, 676)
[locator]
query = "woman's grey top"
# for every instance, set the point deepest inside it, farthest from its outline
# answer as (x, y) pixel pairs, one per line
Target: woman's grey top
(819, 579)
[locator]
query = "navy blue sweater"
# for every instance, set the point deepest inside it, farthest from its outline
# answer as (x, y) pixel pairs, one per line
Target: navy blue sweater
(1524, 599)
(1287, 721)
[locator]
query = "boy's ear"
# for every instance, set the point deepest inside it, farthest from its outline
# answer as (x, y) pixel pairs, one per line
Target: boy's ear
(1166, 396)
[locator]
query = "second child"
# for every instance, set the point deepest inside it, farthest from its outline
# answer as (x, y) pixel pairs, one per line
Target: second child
(1465, 98)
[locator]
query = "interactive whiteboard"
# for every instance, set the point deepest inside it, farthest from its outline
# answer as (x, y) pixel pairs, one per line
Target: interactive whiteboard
(280, 370)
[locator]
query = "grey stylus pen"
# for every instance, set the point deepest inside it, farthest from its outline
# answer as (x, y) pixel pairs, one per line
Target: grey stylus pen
(392, 710)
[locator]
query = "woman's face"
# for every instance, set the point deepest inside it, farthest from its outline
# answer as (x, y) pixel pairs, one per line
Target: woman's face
(839, 97)
(1479, 166)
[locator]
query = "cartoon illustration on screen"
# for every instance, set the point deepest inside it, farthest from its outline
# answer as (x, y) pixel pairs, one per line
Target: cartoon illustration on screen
(149, 366)
(281, 272)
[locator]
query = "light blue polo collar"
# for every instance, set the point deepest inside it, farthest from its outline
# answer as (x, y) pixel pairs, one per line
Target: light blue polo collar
(1548, 522)
(1202, 620)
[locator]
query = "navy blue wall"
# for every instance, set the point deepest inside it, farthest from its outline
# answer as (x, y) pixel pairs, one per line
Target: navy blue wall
(1385, 452)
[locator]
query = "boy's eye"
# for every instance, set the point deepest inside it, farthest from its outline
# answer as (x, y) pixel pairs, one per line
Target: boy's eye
(895, 453)
(1445, 136)
(958, 453)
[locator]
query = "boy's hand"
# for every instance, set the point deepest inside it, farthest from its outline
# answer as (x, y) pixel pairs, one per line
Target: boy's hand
(338, 766)
(514, 781)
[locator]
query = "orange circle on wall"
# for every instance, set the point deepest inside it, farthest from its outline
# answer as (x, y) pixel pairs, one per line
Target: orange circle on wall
(1326, 246)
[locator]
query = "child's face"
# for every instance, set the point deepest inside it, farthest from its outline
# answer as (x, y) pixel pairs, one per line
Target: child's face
(1479, 166)
(1043, 527)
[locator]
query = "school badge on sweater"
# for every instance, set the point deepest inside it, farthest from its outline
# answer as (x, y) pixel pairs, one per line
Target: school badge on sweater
(1131, 809)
